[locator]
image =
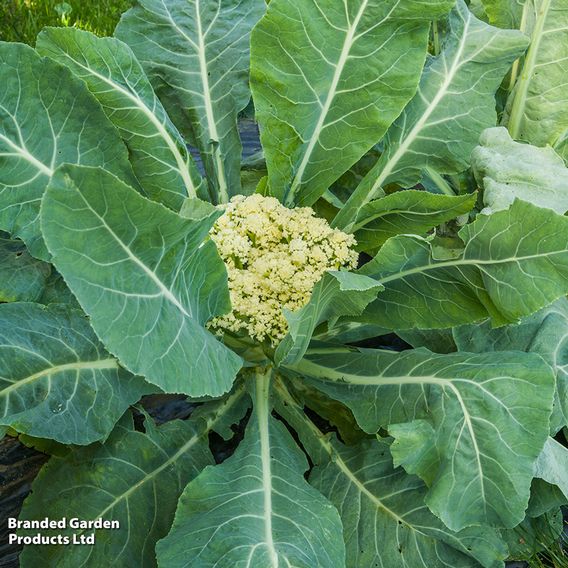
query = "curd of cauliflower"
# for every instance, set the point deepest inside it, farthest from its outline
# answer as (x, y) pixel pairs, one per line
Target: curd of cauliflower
(274, 257)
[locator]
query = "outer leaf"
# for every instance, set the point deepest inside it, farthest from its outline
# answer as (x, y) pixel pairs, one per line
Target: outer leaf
(489, 412)
(514, 263)
(139, 488)
(327, 89)
(545, 333)
(337, 294)
(454, 104)
(406, 212)
(47, 117)
(23, 277)
(255, 509)
(56, 380)
(145, 276)
(507, 170)
(385, 520)
(552, 465)
(112, 73)
(537, 109)
(196, 56)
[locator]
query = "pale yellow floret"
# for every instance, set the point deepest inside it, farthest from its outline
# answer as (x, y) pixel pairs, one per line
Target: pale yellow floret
(274, 257)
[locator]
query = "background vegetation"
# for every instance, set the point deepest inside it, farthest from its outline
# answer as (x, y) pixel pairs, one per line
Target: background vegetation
(21, 20)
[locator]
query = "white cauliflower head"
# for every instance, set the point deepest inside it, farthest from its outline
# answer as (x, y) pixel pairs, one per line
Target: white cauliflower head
(274, 257)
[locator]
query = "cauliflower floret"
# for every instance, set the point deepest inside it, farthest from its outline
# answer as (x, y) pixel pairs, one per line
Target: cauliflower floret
(274, 257)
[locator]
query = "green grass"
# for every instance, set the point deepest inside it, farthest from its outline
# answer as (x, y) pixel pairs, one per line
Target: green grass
(22, 20)
(553, 555)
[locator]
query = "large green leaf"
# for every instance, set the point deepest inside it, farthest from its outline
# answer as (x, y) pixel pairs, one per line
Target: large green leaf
(134, 478)
(23, 277)
(196, 55)
(514, 262)
(406, 212)
(545, 333)
(56, 379)
(489, 416)
(537, 109)
(380, 504)
(507, 170)
(256, 508)
(454, 104)
(47, 118)
(327, 89)
(145, 276)
(337, 294)
(158, 154)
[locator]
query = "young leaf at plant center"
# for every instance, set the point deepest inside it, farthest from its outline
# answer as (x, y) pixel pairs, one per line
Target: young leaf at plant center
(137, 270)
(545, 333)
(160, 160)
(255, 508)
(406, 212)
(552, 465)
(380, 504)
(454, 104)
(47, 117)
(507, 170)
(56, 379)
(139, 488)
(196, 55)
(337, 294)
(23, 277)
(319, 104)
(537, 108)
(514, 262)
(489, 412)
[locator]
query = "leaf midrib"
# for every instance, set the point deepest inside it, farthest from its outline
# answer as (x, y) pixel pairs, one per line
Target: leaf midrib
(263, 414)
(347, 45)
(465, 262)
(100, 364)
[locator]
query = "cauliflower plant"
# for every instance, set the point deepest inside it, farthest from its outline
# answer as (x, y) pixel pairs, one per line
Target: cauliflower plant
(274, 257)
